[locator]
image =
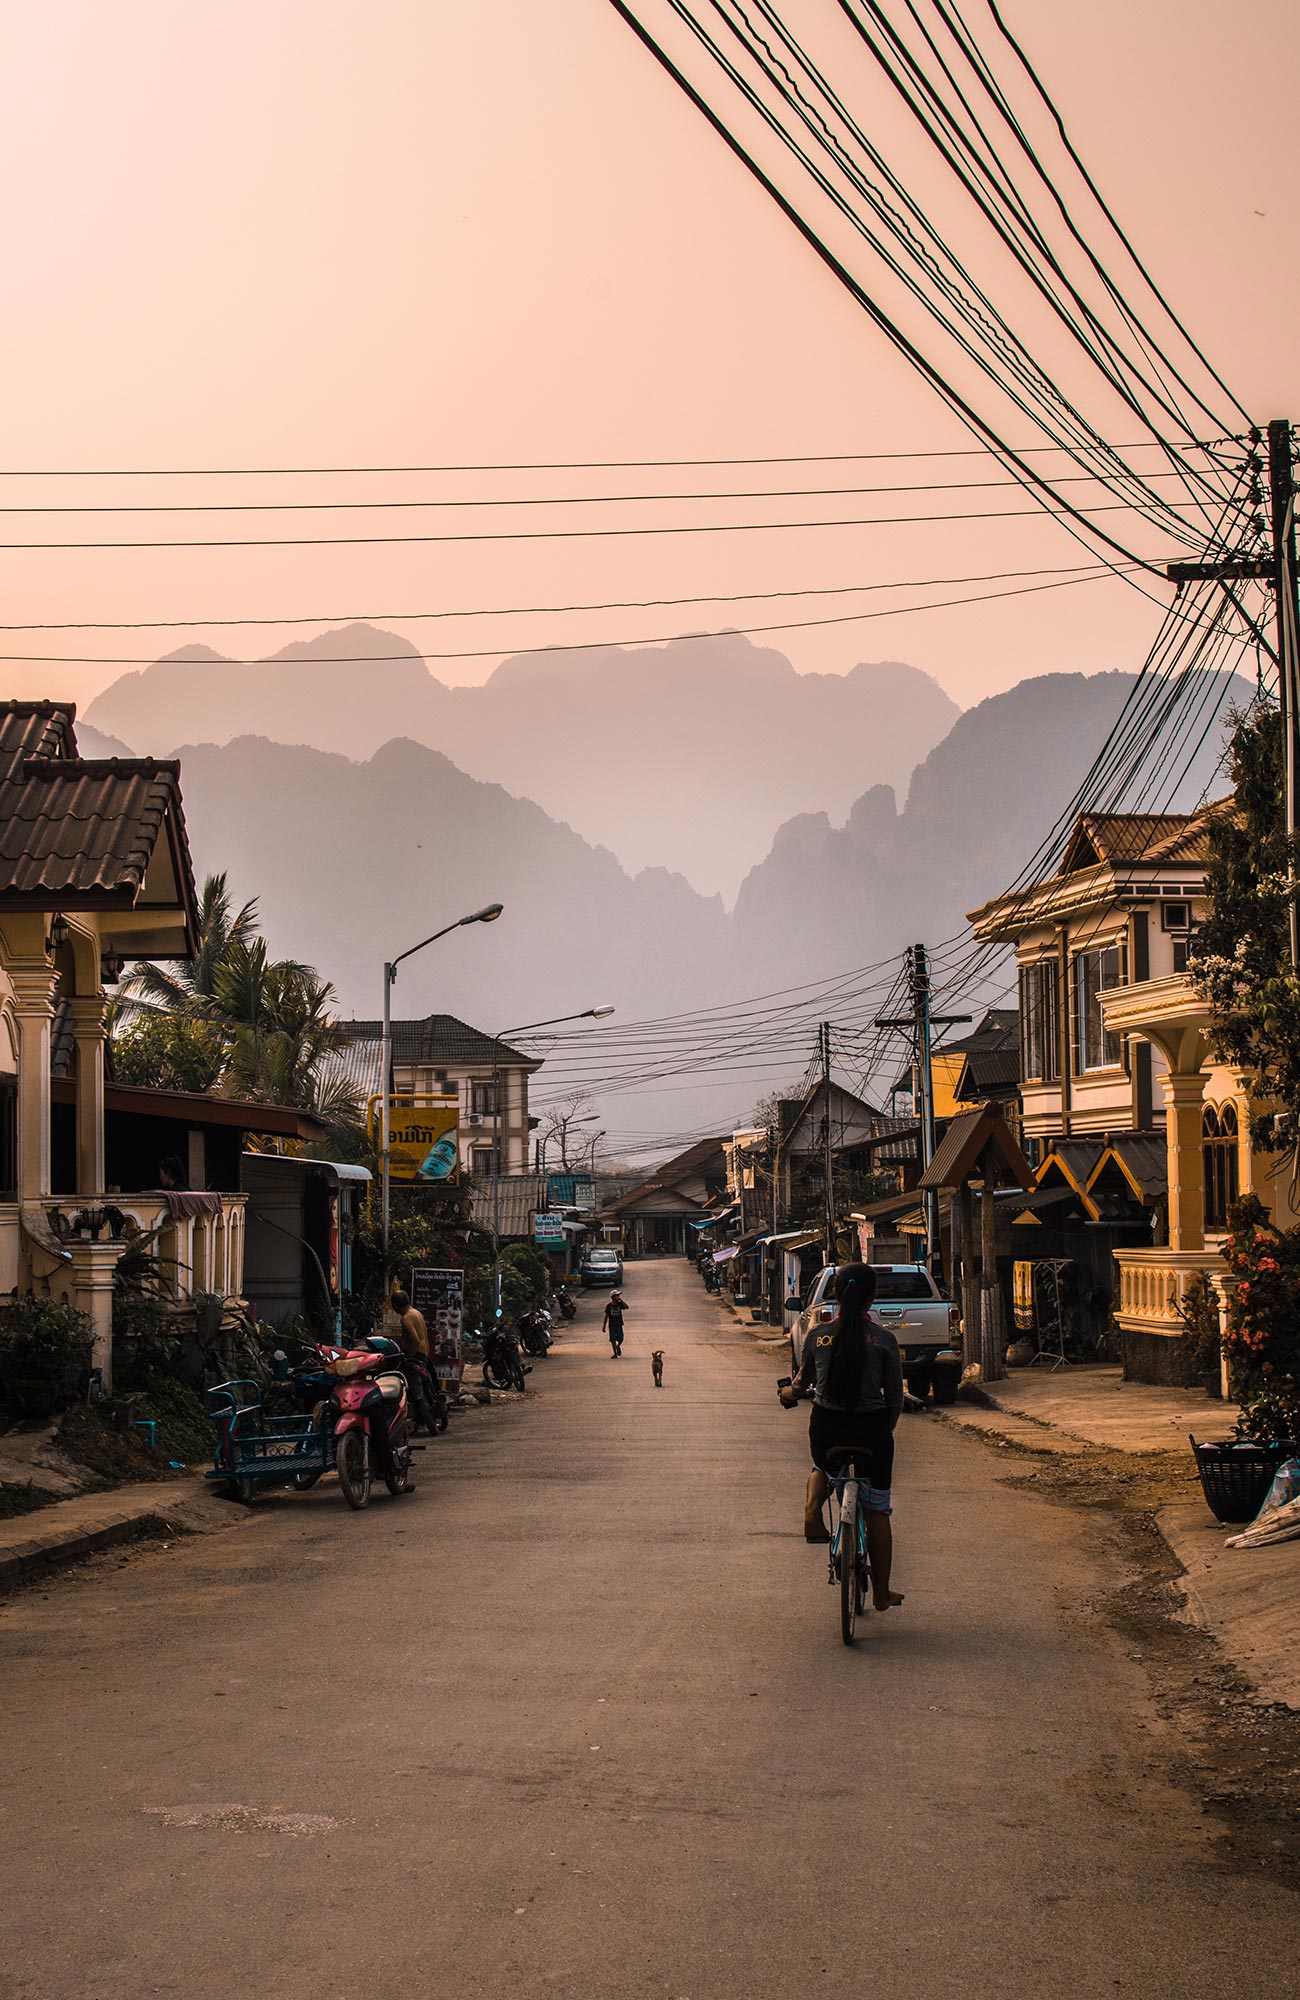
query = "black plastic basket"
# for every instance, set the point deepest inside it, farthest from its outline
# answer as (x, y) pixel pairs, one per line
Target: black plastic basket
(1235, 1478)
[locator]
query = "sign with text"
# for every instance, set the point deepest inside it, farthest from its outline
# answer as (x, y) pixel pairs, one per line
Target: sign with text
(440, 1296)
(572, 1191)
(423, 1134)
(548, 1230)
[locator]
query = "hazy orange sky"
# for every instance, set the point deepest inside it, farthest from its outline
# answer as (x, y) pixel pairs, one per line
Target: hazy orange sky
(420, 232)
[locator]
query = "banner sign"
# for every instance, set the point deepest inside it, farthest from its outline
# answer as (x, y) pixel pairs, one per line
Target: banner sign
(440, 1296)
(549, 1230)
(422, 1137)
(572, 1191)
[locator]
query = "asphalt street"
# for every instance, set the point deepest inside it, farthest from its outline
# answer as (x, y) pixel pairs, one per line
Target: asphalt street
(575, 1719)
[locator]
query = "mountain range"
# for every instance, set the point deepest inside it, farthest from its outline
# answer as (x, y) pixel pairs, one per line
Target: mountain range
(353, 860)
(686, 756)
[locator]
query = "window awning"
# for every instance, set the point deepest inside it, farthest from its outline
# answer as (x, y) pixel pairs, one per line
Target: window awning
(792, 1239)
(724, 1256)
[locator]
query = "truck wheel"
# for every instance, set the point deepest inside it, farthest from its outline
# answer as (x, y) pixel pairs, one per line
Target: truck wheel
(918, 1381)
(947, 1381)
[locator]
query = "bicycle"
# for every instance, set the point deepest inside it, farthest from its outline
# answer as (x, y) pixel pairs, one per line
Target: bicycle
(847, 1563)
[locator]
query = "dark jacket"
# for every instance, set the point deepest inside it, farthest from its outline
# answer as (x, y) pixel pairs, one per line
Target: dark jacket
(880, 1386)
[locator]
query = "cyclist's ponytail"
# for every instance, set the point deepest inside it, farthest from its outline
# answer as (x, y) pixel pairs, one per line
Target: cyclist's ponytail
(855, 1288)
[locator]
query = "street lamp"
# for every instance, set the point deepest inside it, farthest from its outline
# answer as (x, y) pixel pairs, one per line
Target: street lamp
(487, 915)
(556, 1020)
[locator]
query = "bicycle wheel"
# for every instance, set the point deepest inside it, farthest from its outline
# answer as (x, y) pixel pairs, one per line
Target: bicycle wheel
(850, 1591)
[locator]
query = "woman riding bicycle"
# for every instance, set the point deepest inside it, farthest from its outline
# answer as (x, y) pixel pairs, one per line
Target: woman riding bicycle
(853, 1372)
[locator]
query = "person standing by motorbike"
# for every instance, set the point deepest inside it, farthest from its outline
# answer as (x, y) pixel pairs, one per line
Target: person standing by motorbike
(613, 1323)
(413, 1339)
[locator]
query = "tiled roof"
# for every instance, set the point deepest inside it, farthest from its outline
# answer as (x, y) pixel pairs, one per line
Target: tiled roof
(439, 1039)
(74, 831)
(1121, 838)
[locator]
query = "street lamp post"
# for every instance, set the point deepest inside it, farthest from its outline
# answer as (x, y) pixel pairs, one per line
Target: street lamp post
(556, 1020)
(487, 915)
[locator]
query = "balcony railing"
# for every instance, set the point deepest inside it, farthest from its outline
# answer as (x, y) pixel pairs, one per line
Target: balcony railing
(198, 1251)
(1152, 1284)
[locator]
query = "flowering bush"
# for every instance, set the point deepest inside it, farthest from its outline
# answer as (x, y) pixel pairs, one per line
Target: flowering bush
(1262, 1339)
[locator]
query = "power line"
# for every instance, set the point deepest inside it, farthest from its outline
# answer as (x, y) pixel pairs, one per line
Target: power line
(544, 610)
(596, 534)
(1209, 445)
(589, 645)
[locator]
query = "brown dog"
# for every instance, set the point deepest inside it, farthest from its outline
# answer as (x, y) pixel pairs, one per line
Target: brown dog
(657, 1367)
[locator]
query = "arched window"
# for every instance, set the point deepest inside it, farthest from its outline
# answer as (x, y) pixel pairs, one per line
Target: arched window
(1219, 1154)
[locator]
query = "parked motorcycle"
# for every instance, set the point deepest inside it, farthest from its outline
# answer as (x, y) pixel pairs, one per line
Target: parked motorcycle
(503, 1367)
(372, 1422)
(428, 1398)
(534, 1330)
(564, 1304)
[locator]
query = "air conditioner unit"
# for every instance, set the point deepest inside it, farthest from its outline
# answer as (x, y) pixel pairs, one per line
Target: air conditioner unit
(473, 1117)
(1176, 917)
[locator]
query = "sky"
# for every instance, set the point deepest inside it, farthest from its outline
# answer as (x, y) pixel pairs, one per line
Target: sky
(421, 233)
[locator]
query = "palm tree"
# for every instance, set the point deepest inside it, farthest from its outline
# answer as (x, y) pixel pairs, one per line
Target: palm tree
(221, 929)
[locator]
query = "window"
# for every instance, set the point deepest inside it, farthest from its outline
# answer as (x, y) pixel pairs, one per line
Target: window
(1094, 973)
(1039, 1022)
(895, 1284)
(1219, 1154)
(485, 1161)
(483, 1099)
(8, 1136)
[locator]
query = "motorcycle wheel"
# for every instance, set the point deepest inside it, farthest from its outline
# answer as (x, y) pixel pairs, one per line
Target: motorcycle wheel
(353, 1464)
(399, 1480)
(517, 1379)
(494, 1381)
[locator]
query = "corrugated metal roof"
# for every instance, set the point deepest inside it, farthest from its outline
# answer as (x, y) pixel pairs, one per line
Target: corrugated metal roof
(518, 1199)
(441, 1038)
(78, 830)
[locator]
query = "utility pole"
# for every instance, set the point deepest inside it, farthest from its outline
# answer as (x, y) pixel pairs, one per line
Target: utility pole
(828, 1158)
(922, 1024)
(1279, 569)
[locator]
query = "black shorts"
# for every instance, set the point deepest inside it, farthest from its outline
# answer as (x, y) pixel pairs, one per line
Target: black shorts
(830, 1428)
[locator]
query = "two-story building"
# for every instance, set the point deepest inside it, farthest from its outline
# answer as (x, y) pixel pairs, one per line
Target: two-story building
(1131, 1122)
(442, 1056)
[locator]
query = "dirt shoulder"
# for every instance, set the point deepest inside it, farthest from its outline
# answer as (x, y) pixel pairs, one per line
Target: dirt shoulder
(1240, 1752)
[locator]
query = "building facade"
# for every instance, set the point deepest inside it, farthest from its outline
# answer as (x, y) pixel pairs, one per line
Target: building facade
(443, 1056)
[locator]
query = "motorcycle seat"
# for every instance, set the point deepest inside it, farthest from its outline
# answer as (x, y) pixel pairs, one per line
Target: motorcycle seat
(391, 1387)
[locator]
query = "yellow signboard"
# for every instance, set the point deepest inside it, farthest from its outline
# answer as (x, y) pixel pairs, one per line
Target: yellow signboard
(423, 1137)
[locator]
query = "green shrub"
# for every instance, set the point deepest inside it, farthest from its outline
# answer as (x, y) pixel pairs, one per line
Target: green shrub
(44, 1355)
(184, 1429)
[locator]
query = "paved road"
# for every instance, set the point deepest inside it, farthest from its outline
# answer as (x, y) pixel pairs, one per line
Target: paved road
(575, 1720)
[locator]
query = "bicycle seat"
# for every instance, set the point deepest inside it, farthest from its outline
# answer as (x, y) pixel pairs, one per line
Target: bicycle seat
(840, 1454)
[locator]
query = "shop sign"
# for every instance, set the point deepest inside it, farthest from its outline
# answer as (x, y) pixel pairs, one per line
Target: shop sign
(549, 1230)
(572, 1191)
(440, 1296)
(423, 1137)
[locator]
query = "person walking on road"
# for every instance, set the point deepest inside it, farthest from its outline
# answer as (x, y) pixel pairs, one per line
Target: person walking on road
(613, 1323)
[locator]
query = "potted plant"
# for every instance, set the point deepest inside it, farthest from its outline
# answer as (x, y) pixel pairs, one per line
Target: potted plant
(1262, 1344)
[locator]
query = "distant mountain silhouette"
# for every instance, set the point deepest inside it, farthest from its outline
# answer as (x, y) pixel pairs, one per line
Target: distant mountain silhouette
(977, 808)
(686, 756)
(355, 861)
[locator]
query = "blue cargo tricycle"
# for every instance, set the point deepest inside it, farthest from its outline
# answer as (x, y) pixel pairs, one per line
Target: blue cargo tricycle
(254, 1450)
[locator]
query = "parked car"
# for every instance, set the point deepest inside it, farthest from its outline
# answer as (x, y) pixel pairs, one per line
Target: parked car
(909, 1302)
(601, 1267)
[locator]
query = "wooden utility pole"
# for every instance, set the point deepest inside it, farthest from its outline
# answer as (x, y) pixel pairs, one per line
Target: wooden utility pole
(1279, 569)
(922, 1024)
(992, 1345)
(828, 1159)
(972, 1346)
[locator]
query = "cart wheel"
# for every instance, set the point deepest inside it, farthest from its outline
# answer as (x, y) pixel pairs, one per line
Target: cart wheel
(304, 1481)
(354, 1468)
(243, 1490)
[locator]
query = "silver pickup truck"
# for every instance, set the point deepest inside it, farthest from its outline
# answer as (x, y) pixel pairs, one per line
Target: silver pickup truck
(925, 1325)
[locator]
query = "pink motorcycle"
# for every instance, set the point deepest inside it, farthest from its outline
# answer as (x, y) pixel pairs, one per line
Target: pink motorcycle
(371, 1419)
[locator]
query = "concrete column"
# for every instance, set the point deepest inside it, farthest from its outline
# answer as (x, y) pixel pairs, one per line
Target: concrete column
(93, 1265)
(33, 983)
(88, 1033)
(1184, 1105)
